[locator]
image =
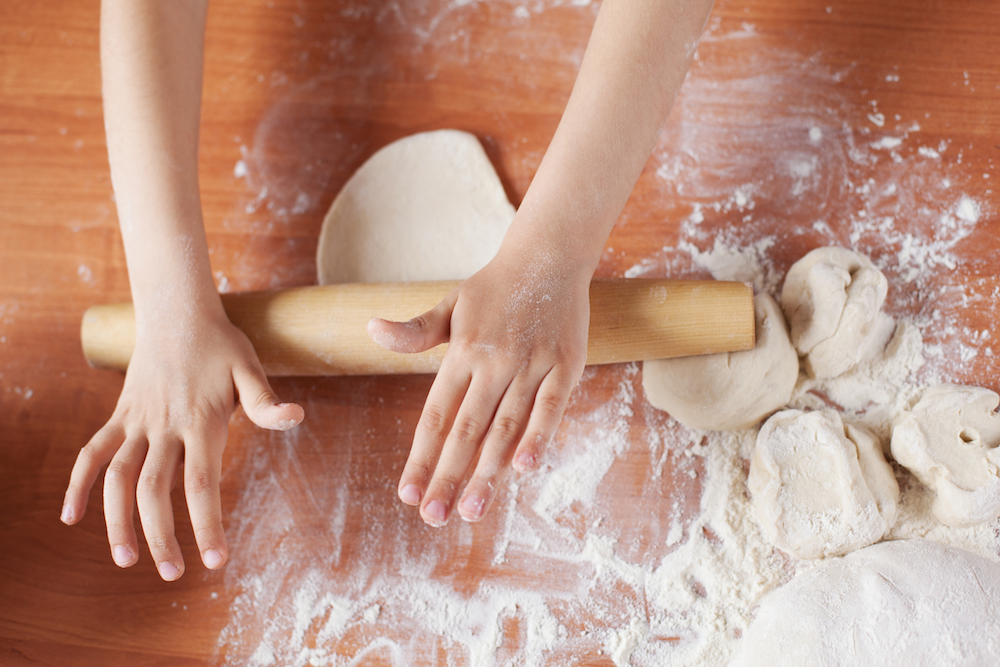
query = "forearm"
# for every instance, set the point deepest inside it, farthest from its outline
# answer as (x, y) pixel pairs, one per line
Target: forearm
(638, 55)
(151, 61)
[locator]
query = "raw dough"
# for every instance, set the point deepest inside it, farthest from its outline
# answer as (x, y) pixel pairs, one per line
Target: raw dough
(427, 207)
(832, 298)
(820, 487)
(733, 390)
(951, 441)
(909, 602)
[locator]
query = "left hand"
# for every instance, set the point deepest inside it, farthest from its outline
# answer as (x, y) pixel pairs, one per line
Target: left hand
(517, 334)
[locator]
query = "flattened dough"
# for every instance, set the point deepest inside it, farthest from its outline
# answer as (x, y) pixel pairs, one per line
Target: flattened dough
(951, 441)
(832, 298)
(732, 390)
(908, 602)
(427, 207)
(820, 487)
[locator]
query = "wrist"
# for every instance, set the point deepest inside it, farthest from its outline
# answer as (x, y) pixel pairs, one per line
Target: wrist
(547, 261)
(167, 295)
(574, 250)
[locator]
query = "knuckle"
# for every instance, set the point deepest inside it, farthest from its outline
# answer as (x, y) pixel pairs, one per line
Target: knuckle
(198, 483)
(433, 420)
(88, 458)
(418, 323)
(574, 354)
(466, 430)
(152, 484)
(117, 474)
(505, 429)
(549, 403)
(264, 399)
(461, 347)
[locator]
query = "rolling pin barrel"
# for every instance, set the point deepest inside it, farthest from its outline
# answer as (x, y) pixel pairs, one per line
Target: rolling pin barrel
(323, 330)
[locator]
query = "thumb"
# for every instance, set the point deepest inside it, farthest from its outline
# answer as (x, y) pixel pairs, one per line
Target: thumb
(261, 403)
(419, 334)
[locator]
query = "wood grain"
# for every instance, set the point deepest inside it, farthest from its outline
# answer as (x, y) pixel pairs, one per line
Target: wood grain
(302, 93)
(322, 330)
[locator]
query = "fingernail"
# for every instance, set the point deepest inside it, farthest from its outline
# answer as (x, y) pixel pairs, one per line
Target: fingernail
(122, 556)
(436, 513)
(168, 571)
(524, 462)
(68, 515)
(410, 494)
(212, 559)
(472, 507)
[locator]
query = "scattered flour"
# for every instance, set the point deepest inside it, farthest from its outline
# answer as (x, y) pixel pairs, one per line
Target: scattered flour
(685, 599)
(563, 569)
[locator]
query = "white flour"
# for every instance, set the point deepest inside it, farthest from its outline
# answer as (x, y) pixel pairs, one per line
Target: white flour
(671, 574)
(558, 561)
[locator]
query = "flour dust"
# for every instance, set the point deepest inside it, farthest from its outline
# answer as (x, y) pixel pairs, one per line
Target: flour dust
(566, 569)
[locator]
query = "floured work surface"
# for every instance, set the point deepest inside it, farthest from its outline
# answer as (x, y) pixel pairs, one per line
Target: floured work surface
(635, 543)
(867, 127)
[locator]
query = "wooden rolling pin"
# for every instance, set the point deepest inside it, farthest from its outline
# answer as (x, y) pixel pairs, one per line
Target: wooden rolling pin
(323, 330)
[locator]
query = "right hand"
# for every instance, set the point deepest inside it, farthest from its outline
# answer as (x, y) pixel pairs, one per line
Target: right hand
(517, 334)
(182, 385)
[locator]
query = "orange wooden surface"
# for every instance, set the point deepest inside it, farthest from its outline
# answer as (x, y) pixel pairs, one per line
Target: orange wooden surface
(302, 92)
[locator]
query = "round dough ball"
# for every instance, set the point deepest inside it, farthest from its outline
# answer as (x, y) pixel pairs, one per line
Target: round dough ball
(951, 441)
(820, 487)
(730, 390)
(832, 298)
(907, 602)
(427, 207)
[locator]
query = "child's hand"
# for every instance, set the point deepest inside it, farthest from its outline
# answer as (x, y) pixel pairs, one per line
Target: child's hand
(182, 385)
(517, 334)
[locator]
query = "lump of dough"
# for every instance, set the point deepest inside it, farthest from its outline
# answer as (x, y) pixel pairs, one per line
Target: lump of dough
(730, 390)
(906, 602)
(832, 298)
(820, 487)
(951, 441)
(427, 207)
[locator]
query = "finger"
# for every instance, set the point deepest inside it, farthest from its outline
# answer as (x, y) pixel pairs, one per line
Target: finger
(421, 333)
(498, 448)
(156, 513)
(461, 446)
(89, 462)
(259, 401)
(442, 404)
(202, 470)
(119, 501)
(546, 413)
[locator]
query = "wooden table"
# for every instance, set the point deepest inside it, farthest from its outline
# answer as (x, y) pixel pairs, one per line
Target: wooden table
(875, 125)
